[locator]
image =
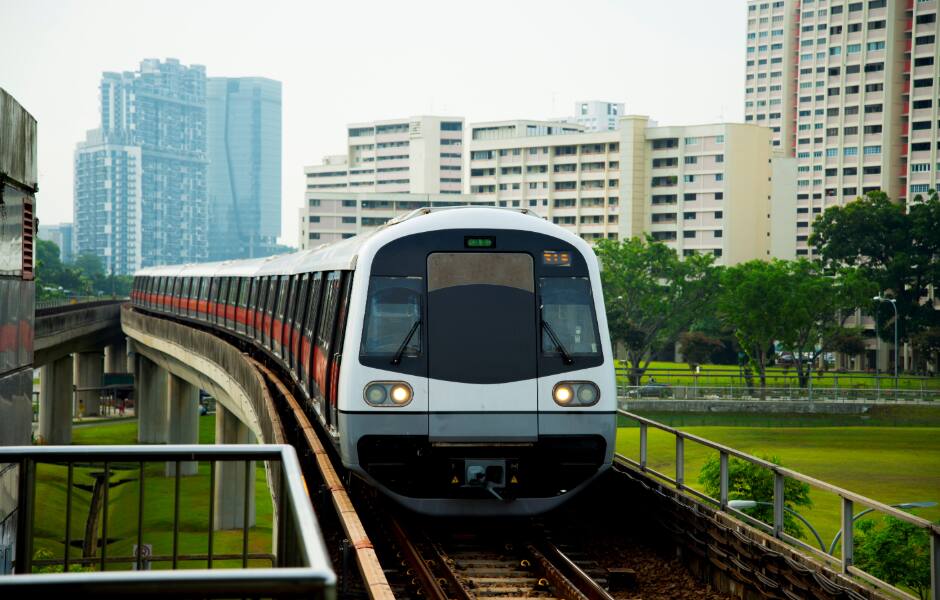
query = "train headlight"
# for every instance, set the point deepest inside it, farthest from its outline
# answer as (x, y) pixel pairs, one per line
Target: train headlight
(563, 394)
(576, 393)
(387, 393)
(401, 393)
(376, 394)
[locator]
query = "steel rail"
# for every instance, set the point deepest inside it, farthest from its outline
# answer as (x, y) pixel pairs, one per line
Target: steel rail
(419, 567)
(590, 588)
(370, 568)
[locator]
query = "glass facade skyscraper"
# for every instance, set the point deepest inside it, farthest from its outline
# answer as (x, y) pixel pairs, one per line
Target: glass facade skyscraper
(244, 172)
(141, 178)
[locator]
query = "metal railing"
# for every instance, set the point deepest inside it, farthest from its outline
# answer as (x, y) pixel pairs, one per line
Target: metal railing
(300, 563)
(777, 394)
(45, 305)
(847, 498)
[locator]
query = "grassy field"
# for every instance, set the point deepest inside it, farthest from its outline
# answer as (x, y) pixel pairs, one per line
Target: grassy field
(889, 464)
(673, 373)
(158, 504)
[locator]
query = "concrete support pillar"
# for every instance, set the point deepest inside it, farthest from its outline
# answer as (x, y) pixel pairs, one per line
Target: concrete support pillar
(230, 476)
(55, 402)
(89, 367)
(183, 424)
(115, 357)
(151, 402)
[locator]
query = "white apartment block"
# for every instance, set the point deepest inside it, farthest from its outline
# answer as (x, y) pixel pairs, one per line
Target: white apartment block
(331, 216)
(417, 154)
(597, 115)
(699, 189)
(850, 89)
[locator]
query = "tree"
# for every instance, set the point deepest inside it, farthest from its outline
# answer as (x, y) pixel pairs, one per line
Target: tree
(753, 302)
(895, 551)
(894, 245)
(748, 481)
(697, 348)
(651, 295)
(816, 308)
(926, 347)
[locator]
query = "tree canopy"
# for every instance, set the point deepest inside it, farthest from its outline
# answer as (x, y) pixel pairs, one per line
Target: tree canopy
(86, 276)
(895, 245)
(652, 295)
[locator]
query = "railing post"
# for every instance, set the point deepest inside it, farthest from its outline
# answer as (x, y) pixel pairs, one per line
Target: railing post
(680, 462)
(643, 435)
(935, 565)
(24, 524)
(848, 539)
(778, 503)
(723, 477)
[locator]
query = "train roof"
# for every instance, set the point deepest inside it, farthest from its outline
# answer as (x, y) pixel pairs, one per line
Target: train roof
(343, 255)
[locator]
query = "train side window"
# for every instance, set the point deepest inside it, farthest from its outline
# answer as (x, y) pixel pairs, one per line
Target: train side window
(289, 307)
(214, 290)
(272, 294)
(393, 314)
(300, 309)
(204, 289)
(328, 313)
(233, 291)
(259, 307)
(251, 293)
(223, 297)
(310, 326)
(282, 298)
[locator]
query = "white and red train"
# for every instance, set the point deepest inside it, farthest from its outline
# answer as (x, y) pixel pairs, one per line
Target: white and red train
(458, 358)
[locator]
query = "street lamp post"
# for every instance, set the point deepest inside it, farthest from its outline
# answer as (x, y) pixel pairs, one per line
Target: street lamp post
(903, 505)
(894, 305)
(745, 504)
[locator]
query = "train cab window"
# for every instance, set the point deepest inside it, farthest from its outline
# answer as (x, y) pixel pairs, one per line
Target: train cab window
(568, 322)
(393, 315)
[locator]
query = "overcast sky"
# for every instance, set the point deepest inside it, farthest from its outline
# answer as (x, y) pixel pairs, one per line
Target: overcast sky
(679, 61)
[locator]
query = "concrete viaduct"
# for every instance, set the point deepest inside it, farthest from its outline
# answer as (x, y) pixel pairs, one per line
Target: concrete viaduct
(76, 344)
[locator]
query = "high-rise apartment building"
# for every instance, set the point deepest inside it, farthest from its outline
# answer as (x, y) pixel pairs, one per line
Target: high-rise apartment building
(244, 171)
(140, 178)
(421, 155)
(698, 188)
(850, 90)
(328, 217)
(60, 235)
(597, 115)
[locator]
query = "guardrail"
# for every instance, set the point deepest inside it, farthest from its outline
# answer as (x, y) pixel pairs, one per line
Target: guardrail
(51, 307)
(777, 394)
(300, 564)
(780, 474)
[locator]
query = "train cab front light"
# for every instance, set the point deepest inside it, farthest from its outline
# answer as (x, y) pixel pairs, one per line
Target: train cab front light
(387, 393)
(401, 394)
(575, 393)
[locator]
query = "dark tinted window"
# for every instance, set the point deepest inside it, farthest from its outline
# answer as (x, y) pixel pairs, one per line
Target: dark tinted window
(392, 308)
(568, 310)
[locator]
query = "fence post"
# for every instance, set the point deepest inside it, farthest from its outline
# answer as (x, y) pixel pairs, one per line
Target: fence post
(935, 564)
(778, 503)
(723, 478)
(680, 462)
(24, 525)
(643, 446)
(848, 541)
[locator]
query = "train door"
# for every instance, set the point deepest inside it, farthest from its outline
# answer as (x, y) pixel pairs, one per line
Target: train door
(324, 346)
(310, 330)
(297, 327)
(482, 346)
(288, 323)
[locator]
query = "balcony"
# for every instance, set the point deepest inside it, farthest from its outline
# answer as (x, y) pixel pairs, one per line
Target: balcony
(299, 562)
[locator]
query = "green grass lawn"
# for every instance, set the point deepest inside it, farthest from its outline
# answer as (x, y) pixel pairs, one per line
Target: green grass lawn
(158, 504)
(888, 464)
(674, 373)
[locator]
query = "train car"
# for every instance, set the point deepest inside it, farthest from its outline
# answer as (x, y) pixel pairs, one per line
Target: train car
(457, 358)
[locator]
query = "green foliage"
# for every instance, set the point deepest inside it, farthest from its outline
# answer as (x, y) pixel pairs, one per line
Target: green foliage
(86, 277)
(43, 554)
(791, 302)
(894, 551)
(698, 348)
(651, 295)
(847, 341)
(747, 481)
(893, 245)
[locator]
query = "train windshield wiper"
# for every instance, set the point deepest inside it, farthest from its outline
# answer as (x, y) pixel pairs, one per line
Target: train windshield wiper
(404, 344)
(561, 347)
